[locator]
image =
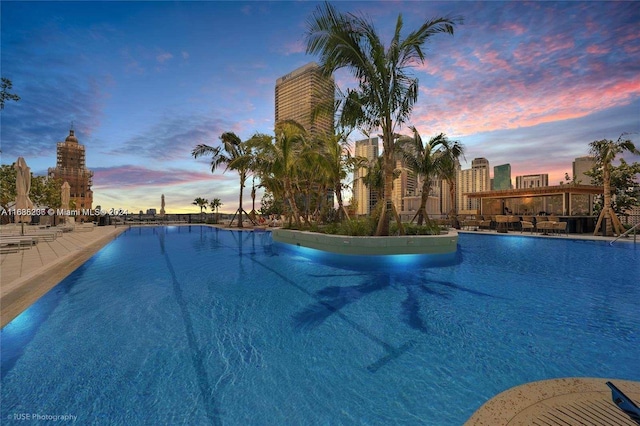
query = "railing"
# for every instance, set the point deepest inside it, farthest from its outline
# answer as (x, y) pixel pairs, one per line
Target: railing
(627, 232)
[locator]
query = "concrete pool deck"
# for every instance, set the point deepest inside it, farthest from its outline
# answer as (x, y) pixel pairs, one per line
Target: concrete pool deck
(27, 275)
(569, 401)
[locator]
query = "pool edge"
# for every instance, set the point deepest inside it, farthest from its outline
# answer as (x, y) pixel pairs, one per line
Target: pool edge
(21, 293)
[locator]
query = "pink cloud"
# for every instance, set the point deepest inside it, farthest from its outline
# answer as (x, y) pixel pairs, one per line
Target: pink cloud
(130, 177)
(597, 50)
(517, 29)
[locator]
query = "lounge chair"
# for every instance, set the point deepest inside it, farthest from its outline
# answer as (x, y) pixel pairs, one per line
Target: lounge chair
(624, 403)
(484, 222)
(560, 227)
(545, 226)
(502, 223)
(470, 223)
(525, 224)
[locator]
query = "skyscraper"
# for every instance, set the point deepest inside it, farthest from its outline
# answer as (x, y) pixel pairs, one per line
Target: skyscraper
(475, 179)
(532, 181)
(365, 198)
(502, 177)
(301, 94)
(580, 166)
(70, 167)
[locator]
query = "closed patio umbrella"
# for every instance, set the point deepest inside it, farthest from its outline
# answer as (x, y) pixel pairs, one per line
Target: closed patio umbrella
(65, 197)
(23, 186)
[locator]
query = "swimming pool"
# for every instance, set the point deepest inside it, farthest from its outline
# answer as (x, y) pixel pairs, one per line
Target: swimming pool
(195, 325)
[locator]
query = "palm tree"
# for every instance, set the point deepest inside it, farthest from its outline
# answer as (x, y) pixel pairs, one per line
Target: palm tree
(281, 160)
(215, 204)
(604, 152)
(430, 161)
(337, 162)
(449, 171)
(202, 203)
(374, 178)
(386, 92)
(232, 154)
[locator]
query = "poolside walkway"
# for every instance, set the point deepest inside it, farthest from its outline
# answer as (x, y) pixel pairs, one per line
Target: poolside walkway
(570, 401)
(588, 237)
(28, 274)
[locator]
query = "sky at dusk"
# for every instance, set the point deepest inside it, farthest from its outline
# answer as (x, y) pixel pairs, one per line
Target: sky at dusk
(525, 83)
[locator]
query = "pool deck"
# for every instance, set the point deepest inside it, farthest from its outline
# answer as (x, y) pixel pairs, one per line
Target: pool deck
(27, 275)
(568, 401)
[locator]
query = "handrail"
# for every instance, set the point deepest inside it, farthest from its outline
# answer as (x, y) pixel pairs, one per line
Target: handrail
(637, 225)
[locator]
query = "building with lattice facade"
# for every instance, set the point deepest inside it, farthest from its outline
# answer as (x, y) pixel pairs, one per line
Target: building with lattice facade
(365, 197)
(532, 181)
(475, 179)
(71, 168)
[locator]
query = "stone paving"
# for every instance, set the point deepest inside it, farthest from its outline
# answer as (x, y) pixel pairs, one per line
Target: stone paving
(28, 274)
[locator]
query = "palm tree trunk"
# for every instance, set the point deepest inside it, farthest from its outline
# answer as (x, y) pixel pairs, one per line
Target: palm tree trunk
(288, 194)
(424, 197)
(613, 224)
(341, 209)
(385, 216)
(240, 202)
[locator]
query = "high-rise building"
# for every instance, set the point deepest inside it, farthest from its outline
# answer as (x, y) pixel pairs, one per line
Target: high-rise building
(447, 201)
(365, 198)
(502, 177)
(306, 96)
(532, 181)
(475, 179)
(71, 168)
(582, 165)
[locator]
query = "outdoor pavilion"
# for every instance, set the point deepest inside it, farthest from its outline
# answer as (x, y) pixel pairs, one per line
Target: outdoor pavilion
(571, 203)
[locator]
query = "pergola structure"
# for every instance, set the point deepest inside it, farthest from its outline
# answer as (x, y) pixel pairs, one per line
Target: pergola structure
(561, 200)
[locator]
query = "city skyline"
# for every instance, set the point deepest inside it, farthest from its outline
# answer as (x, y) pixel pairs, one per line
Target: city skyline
(529, 84)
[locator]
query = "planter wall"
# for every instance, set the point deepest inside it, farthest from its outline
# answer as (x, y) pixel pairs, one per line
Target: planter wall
(341, 244)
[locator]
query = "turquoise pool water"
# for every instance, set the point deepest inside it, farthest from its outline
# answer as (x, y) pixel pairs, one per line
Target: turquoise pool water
(194, 325)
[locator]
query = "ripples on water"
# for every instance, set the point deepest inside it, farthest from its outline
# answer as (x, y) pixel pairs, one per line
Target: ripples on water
(196, 325)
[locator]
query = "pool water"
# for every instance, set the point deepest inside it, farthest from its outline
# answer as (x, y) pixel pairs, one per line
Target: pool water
(196, 325)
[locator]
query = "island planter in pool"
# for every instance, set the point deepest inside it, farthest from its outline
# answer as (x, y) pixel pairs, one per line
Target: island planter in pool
(344, 244)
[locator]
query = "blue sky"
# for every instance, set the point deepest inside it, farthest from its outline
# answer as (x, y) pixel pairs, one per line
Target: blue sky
(530, 84)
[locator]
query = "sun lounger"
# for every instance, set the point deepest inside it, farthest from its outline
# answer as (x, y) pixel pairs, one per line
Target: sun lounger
(14, 243)
(624, 403)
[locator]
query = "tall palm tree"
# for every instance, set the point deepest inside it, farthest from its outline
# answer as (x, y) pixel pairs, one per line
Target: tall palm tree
(231, 153)
(449, 171)
(386, 92)
(215, 204)
(202, 203)
(430, 161)
(604, 152)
